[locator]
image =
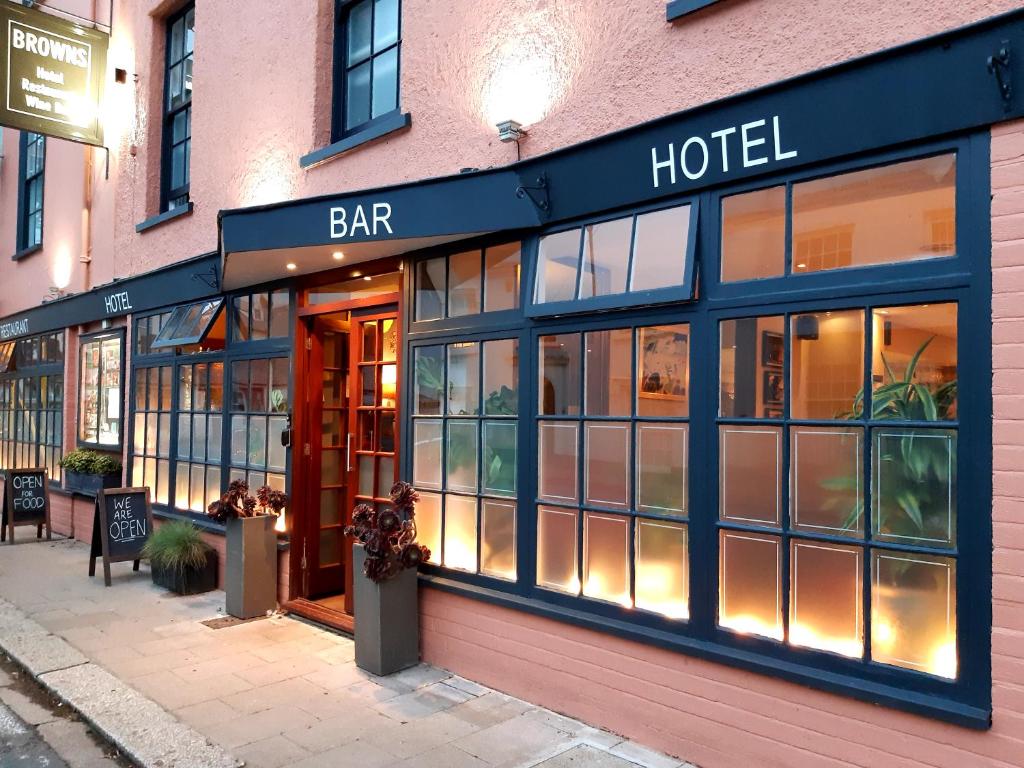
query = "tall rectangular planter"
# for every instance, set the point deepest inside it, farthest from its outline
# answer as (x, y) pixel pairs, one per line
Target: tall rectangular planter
(387, 619)
(250, 576)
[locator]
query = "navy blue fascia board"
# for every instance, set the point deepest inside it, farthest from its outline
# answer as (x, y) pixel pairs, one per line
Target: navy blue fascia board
(484, 201)
(883, 100)
(678, 8)
(180, 283)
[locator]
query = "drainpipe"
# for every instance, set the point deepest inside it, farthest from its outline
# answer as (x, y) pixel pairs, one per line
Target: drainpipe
(86, 256)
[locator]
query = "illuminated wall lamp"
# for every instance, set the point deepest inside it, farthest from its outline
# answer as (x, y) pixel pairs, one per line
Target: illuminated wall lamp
(510, 130)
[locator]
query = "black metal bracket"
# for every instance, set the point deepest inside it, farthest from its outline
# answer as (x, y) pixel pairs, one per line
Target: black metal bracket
(540, 199)
(999, 65)
(211, 278)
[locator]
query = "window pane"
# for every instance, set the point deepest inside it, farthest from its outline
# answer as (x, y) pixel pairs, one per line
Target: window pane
(428, 524)
(828, 364)
(429, 383)
(239, 437)
(184, 436)
(430, 289)
(557, 462)
(826, 479)
(259, 385)
(826, 606)
(462, 456)
(605, 257)
(426, 456)
(662, 568)
(501, 377)
(464, 378)
(754, 235)
(661, 480)
(214, 439)
(750, 474)
(240, 386)
(216, 398)
(558, 259)
(560, 375)
(751, 367)
(498, 538)
(240, 317)
(360, 28)
(385, 83)
(663, 371)
(385, 24)
(275, 451)
(389, 340)
(257, 449)
(280, 304)
(556, 549)
(609, 372)
(357, 96)
(659, 249)
(750, 599)
(499, 472)
(460, 532)
(366, 484)
(914, 486)
(279, 384)
(385, 475)
(260, 315)
(916, 346)
(913, 612)
(608, 464)
(501, 277)
(605, 558)
(199, 438)
(900, 212)
(464, 284)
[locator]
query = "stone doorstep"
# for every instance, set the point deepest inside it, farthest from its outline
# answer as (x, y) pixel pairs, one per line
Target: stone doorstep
(136, 725)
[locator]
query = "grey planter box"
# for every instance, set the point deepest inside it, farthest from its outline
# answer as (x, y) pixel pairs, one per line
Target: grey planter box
(90, 485)
(387, 619)
(250, 577)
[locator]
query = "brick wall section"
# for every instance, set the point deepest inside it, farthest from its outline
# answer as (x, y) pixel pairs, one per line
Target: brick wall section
(720, 717)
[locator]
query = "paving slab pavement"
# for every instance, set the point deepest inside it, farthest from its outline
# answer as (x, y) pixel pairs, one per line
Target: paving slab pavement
(271, 693)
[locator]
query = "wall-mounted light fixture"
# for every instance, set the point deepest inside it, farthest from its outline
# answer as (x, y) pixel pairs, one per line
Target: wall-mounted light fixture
(510, 130)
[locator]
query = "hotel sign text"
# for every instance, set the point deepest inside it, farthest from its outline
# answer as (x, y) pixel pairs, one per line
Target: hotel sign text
(52, 72)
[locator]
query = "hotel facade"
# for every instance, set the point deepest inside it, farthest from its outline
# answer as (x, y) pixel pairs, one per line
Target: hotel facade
(698, 326)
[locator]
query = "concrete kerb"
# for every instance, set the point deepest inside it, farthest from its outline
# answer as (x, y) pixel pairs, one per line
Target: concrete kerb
(140, 728)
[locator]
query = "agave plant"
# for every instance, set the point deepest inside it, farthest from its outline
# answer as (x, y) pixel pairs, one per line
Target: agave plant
(915, 469)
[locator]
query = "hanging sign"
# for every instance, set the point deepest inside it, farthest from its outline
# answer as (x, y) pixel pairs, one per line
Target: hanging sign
(26, 502)
(120, 528)
(52, 72)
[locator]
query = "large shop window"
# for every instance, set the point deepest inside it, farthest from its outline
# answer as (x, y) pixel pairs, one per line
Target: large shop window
(32, 404)
(177, 132)
(465, 453)
(366, 63)
(838, 518)
(211, 405)
(100, 391)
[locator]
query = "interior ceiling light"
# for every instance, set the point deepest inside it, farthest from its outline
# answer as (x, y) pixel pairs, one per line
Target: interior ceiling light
(338, 255)
(290, 266)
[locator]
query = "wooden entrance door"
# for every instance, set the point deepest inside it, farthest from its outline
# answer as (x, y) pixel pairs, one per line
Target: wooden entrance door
(327, 454)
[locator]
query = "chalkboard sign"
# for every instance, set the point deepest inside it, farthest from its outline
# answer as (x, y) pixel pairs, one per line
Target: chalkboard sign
(120, 528)
(26, 502)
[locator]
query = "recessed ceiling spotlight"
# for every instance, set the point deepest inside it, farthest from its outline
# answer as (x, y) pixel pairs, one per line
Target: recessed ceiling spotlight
(367, 278)
(290, 266)
(338, 255)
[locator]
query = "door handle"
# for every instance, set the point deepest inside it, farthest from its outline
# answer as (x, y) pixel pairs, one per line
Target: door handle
(348, 452)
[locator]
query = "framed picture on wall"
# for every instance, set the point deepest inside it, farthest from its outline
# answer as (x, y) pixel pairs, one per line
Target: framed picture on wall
(773, 389)
(771, 349)
(663, 359)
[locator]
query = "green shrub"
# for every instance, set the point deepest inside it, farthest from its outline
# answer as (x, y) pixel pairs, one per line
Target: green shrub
(91, 463)
(176, 546)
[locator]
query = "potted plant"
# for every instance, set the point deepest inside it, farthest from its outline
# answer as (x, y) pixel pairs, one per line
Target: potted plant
(180, 560)
(250, 578)
(385, 561)
(87, 472)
